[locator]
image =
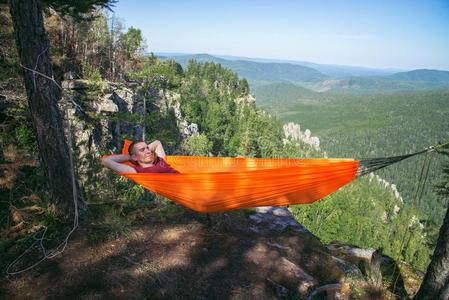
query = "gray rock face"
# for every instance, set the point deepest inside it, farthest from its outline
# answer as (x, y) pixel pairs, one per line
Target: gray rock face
(76, 84)
(191, 129)
(286, 271)
(293, 133)
(127, 99)
(93, 127)
(275, 218)
(171, 101)
(347, 267)
(281, 272)
(369, 260)
(350, 260)
(70, 75)
(99, 119)
(119, 98)
(107, 105)
(245, 100)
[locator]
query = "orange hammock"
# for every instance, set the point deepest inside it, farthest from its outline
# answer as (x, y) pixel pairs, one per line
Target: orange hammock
(213, 184)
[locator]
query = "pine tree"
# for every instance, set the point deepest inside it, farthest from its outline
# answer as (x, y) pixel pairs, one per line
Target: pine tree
(44, 94)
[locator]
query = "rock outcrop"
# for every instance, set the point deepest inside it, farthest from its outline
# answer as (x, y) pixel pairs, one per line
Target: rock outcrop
(245, 100)
(293, 133)
(296, 262)
(94, 118)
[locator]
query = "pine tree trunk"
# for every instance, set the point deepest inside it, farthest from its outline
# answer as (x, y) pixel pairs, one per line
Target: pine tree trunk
(436, 282)
(43, 96)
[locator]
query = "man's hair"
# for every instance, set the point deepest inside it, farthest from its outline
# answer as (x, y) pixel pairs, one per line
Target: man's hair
(131, 147)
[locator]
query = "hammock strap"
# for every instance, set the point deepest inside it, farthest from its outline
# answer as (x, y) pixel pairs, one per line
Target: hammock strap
(369, 165)
(422, 180)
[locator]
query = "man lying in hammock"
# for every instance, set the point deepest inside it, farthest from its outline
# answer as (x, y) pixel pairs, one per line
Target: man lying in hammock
(147, 159)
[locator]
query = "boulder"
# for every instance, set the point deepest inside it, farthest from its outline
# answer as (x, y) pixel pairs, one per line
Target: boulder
(77, 84)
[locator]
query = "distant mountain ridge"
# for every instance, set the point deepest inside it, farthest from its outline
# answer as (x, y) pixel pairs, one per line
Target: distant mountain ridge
(327, 69)
(258, 73)
(423, 75)
(415, 80)
(266, 73)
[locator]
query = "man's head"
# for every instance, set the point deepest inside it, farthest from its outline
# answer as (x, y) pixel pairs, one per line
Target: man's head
(140, 153)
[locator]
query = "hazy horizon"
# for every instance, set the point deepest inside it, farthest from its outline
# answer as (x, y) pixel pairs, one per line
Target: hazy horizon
(282, 60)
(384, 34)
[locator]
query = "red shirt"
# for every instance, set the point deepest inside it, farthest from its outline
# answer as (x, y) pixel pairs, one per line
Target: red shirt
(161, 166)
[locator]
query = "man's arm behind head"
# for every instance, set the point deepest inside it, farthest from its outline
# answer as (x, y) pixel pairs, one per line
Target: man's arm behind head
(114, 162)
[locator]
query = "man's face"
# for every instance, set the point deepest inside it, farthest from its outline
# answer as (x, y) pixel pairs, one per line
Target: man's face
(142, 154)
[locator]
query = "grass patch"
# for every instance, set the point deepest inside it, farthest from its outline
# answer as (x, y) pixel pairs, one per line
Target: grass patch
(167, 210)
(106, 222)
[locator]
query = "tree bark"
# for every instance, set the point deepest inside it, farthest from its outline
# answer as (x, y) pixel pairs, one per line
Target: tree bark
(43, 96)
(436, 281)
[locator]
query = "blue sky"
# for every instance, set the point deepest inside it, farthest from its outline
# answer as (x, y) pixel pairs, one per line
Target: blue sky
(407, 34)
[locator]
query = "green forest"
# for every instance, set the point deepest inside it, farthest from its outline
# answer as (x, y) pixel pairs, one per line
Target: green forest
(375, 125)
(93, 48)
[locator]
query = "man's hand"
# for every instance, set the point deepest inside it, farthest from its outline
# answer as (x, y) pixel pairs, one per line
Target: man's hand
(157, 147)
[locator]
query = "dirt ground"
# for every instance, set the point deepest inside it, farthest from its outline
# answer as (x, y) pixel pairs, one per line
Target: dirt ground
(180, 256)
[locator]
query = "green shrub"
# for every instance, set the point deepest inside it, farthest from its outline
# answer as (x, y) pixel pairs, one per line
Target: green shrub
(197, 145)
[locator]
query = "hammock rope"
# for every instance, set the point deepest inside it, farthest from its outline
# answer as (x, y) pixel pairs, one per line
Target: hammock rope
(370, 165)
(367, 166)
(422, 180)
